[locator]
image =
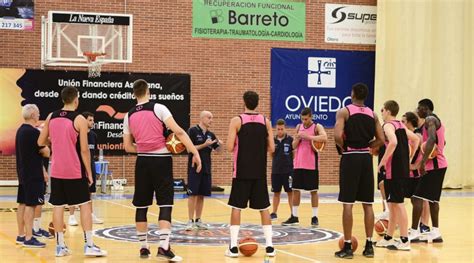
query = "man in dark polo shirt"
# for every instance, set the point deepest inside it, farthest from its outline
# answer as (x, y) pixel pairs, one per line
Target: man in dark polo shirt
(282, 166)
(199, 184)
(31, 175)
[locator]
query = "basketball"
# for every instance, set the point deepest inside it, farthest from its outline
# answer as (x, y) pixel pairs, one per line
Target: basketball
(174, 145)
(433, 153)
(317, 146)
(248, 246)
(51, 228)
(381, 226)
(353, 241)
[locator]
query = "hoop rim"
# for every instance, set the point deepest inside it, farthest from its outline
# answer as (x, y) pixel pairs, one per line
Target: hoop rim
(92, 56)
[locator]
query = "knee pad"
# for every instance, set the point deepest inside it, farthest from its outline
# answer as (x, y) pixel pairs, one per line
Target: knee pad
(165, 213)
(140, 214)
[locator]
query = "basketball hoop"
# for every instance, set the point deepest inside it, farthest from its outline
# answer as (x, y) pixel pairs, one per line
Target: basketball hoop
(95, 65)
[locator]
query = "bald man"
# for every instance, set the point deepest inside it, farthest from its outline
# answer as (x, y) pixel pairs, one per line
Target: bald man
(199, 183)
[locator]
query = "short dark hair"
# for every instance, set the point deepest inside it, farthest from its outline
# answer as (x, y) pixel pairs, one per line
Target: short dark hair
(360, 91)
(427, 103)
(140, 86)
(88, 114)
(411, 118)
(306, 112)
(251, 99)
(280, 122)
(391, 106)
(69, 94)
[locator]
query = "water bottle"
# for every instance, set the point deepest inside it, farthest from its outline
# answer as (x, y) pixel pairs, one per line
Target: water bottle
(290, 181)
(101, 155)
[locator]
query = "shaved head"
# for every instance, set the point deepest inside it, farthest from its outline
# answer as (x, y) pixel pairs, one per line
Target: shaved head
(205, 119)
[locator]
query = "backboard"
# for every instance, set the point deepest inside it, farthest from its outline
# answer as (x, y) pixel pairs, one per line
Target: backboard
(65, 36)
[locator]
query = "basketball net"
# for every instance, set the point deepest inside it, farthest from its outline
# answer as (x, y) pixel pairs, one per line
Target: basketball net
(95, 65)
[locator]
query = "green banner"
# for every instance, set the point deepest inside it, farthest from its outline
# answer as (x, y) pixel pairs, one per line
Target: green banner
(250, 19)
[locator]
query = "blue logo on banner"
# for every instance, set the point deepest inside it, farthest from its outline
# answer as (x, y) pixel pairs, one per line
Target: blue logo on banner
(318, 79)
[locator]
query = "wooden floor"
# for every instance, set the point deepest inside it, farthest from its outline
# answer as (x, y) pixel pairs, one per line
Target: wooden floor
(456, 226)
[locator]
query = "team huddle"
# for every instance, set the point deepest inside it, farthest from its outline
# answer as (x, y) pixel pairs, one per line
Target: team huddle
(412, 166)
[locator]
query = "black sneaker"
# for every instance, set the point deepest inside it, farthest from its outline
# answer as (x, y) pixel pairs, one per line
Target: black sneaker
(369, 249)
(292, 221)
(273, 216)
(314, 221)
(345, 252)
(424, 228)
(232, 252)
(270, 251)
(144, 252)
(168, 254)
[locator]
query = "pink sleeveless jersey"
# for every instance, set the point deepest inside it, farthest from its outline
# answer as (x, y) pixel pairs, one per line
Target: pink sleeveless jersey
(439, 161)
(65, 155)
(147, 129)
(305, 157)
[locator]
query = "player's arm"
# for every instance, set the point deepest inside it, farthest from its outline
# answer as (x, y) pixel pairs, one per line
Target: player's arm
(44, 134)
(389, 131)
(341, 116)
(379, 134)
(297, 138)
(80, 123)
(128, 140)
(184, 138)
(44, 151)
(321, 134)
(234, 127)
(431, 123)
(270, 140)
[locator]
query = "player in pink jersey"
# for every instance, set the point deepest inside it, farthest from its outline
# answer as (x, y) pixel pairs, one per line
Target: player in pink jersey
(306, 165)
(70, 169)
(144, 131)
(432, 173)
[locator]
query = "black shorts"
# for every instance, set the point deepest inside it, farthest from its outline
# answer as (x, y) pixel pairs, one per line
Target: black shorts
(281, 181)
(254, 191)
(153, 175)
(199, 184)
(31, 193)
(430, 186)
(394, 190)
(356, 178)
(409, 186)
(69, 192)
(307, 180)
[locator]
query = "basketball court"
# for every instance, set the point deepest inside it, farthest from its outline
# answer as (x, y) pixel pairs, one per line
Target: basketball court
(103, 52)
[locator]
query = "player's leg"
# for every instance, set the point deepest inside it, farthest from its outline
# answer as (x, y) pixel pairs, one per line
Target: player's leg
(37, 230)
(199, 207)
(34, 196)
(297, 186)
(204, 190)
(238, 199)
(72, 221)
(259, 200)
(276, 189)
(191, 211)
(58, 199)
(20, 214)
(425, 218)
(313, 184)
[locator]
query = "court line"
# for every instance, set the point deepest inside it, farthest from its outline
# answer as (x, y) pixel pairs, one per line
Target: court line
(133, 208)
(40, 258)
(279, 249)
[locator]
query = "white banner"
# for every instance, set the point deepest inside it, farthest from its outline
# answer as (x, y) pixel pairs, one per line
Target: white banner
(350, 24)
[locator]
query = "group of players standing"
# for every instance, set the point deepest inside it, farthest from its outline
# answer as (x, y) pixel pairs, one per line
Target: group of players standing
(250, 139)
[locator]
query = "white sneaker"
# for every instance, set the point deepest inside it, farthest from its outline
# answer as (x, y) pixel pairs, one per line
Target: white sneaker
(400, 246)
(72, 221)
(385, 243)
(189, 225)
(200, 225)
(434, 236)
(62, 251)
(414, 235)
(232, 252)
(94, 251)
(96, 220)
(383, 216)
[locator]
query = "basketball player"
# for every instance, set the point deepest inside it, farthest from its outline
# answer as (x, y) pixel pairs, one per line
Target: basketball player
(396, 161)
(31, 176)
(199, 183)
(354, 132)
(92, 141)
(411, 122)
(143, 134)
(71, 173)
(282, 167)
(250, 138)
(432, 173)
(306, 165)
